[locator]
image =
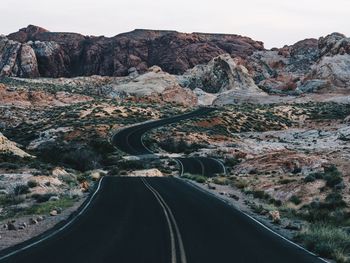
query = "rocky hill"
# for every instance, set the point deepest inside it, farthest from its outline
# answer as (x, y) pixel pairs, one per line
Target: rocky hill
(34, 52)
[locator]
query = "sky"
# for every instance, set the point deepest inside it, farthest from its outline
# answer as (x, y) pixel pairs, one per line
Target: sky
(275, 22)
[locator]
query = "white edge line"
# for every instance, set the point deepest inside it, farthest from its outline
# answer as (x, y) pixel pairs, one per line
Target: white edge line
(221, 163)
(253, 219)
(181, 166)
(58, 230)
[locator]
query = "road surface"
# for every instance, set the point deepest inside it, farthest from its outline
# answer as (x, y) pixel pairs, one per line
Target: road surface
(157, 220)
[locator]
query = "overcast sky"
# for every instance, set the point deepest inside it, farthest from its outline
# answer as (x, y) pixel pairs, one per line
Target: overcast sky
(275, 22)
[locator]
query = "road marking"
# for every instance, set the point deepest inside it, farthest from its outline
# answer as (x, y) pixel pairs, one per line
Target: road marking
(250, 217)
(172, 237)
(221, 163)
(58, 230)
(181, 166)
(170, 218)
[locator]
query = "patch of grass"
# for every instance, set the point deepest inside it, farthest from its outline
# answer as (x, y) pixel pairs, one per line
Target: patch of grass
(46, 207)
(197, 178)
(240, 183)
(327, 241)
(221, 180)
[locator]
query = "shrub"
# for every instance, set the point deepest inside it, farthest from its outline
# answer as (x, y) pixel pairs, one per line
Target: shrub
(197, 178)
(240, 183)
(32, 184)
(295, 200)
(232, 162)
(334, 200)
(310, 178)
(221, 180)
(42, 198)
(259, 194)
(332, 176)
(286, 181)
(21, 189)
(326, 240)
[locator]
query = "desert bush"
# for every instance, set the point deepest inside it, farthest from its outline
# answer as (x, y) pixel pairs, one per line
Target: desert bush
(295, 200)
(240, 183)
(310, 178)
(42, 198)
(21, 189)
(332, 176)
(197, 178)
(77, 156)
(232, 162)
(221, 180)
(286, 181)
(327, 241)
(32, 184)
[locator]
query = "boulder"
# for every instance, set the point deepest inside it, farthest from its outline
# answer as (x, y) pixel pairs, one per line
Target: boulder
(275, 217)
(53, 212)
(17, 59)
(219, 75)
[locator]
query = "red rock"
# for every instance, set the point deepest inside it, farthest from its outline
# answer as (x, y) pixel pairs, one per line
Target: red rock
(70, 54)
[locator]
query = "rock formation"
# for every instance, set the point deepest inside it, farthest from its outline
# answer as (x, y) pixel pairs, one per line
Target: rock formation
(70, 54)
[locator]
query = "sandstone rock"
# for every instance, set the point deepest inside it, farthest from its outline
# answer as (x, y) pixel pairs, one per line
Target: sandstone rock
(33, 221)
(11, 147)
(17, 59)
(146, 173)
(334, 44)
(69, 54)
(153, 82)
(275, 217)
(219, 75)
(85, 186)
(203, 97)
(335, 70)
(53, 213)
(179, 95)
(58, 171)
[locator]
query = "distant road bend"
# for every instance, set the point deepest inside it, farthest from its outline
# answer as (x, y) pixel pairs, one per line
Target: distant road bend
(158, 220)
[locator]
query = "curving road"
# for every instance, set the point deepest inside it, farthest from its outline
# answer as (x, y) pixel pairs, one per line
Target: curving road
(157, 220)
(129, 140)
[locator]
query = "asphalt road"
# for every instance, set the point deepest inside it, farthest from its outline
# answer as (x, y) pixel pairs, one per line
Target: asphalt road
(151, 220)
(158, 220)
(129, 140)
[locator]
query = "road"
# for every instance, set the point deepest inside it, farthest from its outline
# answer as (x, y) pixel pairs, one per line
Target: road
(129, 140)
(158, 220)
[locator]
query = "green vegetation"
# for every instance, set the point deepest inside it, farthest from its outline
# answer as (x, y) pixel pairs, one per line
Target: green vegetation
(327, 241)
(197, 178)
(21, 189)
(295, 200)
(46, 207)
(221, 180)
